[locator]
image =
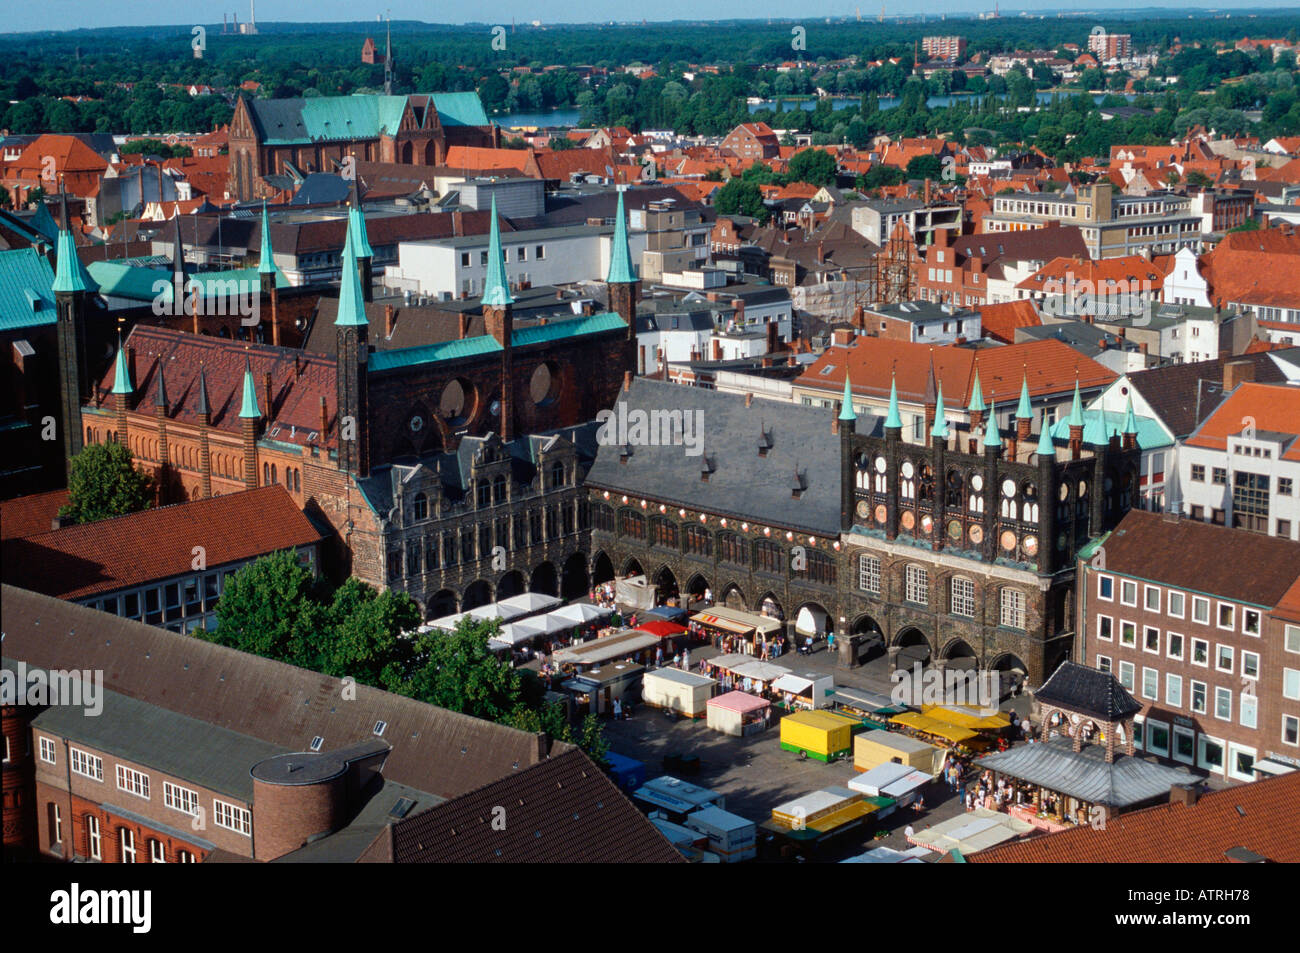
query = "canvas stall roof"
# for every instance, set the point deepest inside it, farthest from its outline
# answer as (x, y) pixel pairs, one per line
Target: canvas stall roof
(760, 671)
(529, 602)
(738, 702)
(965, 717)
(970, 832)
(792, 683)
(602, 650)
(681, 678)
(932, 726)
(580, 613)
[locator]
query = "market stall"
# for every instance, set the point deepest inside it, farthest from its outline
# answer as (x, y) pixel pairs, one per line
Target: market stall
(629, 643)
(731, 630)
(822, 735)
(743, 672)
(597, 689)
(683, 692)
(675, 797)
(936, 731)
(970, 832)
(993, 723)
(672, 635)
(820, 816)
(898, 781)
(634, 592)
(671, 613)
(580, 614)
(731, 837)
(804, 692)
(738, 713)
(872, 748)
(871, 708)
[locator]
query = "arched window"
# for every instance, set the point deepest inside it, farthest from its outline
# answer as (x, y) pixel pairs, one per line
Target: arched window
(275, 477)
(699, 541)
(421, 506)
(266, 474)
(297, 480)
(663, 532)
(731, 549)
(821, 568)
(767, 556)
(917, 589)
(631, 524)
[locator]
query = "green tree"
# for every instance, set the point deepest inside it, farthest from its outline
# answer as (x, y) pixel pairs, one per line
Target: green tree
(561, 144)
(1199, 179)
(739, 197)
(367, 641)
(925, 167)
(814, 166)
(103, 483)
(271, 608)
(1249, 225)
(457, 672)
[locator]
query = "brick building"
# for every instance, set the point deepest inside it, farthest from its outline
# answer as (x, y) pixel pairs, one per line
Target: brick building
(1199, 622)
(277, 136)
(944, 47)
(751, 140)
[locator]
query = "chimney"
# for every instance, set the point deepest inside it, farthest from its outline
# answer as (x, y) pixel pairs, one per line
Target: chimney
(1076, 442)
(717, 350)
(1236, 372)
(324, 419)
(1142, 348)
(389, 320)
(1184, 794)
(627, 381)
(457, 224)
(821, 253)
(772, 342)
(266, 386)
(927, 191)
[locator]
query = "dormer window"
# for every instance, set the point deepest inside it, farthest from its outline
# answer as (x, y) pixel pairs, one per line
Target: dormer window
(420, 507)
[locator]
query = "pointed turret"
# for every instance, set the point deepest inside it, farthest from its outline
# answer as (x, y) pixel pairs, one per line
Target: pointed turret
(976, 394)
(1130, 425)
(1076, 408)
(362, 254)
(266, 263)
(496, 289)
(203, 407)
(1045, 446)
(894, 419)
(352, 306)
(940, 428)
(69, 275)
(121, 372)
(1025, 410)
(248, 410)
(992, 436)
(847, 413)
(620, 256)
(160, 399)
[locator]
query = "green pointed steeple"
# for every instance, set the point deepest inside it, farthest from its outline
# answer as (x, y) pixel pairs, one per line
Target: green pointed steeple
(976, 393)
(1025, 411)
(121, 373)
(352, 304)
(1130, 419)
(894, 419)
(357, 232)
(69, 275)
(940, 428)
(496, 290)
(620, 258)
(266, 264)
(992, 436)
(248, 409)
(846, 406)
(1045, 446)
(1076, 409)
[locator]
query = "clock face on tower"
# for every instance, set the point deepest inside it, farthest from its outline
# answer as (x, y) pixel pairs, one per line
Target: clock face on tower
(417, 424)
(863, 509)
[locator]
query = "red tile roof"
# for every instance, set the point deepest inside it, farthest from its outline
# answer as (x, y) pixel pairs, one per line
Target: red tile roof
(1255, 268)
(1274, 407)
(1261, 817)
(29, 515)
(1049, 364)
(79, 561)
(298, 382)
(999, 321)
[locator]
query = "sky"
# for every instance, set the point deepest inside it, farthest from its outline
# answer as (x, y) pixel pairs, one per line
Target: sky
(23, 17)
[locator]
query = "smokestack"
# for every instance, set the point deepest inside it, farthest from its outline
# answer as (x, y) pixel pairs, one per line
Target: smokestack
(324, 419)
(627, 381)
(266, 385)
(389, 322)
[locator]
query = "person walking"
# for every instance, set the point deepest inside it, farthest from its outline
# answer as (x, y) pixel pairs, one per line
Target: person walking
(686, 660)
(659, 657)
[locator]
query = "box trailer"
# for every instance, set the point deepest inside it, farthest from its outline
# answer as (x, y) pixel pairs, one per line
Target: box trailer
(873, 748)
(731, 837)
(683, 692)
(822, 735)
(738, 713)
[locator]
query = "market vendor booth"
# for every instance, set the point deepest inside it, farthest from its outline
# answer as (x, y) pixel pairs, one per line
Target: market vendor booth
(638, 646)
(743, 672)
(871, 708)
(818, 817)
(732, 630)
(685, 693)
(873, 748)
(675, 798)
(731, 837)
(597, 689)
(738, 713)
(822, 735)
(900, 782)
(940, 733)
(804, 692)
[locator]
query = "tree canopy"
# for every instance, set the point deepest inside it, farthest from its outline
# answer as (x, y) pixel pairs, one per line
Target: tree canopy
(103, 482)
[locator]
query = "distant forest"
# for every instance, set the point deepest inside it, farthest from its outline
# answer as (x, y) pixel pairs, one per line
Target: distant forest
(136, 80)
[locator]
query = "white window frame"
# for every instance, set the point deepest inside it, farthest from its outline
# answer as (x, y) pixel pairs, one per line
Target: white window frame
(232, 817)
(1148, 747)
(1182, 731)
(1219, 650)
(126, 840)
(1131, 644)
(1192, 658)
(1291, 639)
(1251, 702)
(1230, 762)
(177, 798)
(1173, 690)
(868, 573)
(1291, 673)
(1205, 696)
(93, 837)
(49, 750)
(1254, 663)
(1283, 738)
(133, 782)
(1100, 595)
(1106, 667)
(86, 764)
(1221, 692)
(1012, 603)
(963, 604)
(917, 582)
(1197, 603)
(1182, 604)
(1147, 629)
(1105, 638)
(1201, 741)
(1122, 600)
(1169, 645)
(1246, 614)
(58, 823)
(157, 851)
(1154, 675)
(1147, 592)
(184, 857)
(1218, 615)
(1131, 675)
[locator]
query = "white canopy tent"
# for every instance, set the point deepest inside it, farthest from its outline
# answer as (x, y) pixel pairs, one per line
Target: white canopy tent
(525, 630)
(794, 684)
(526, 603)
(580, 613)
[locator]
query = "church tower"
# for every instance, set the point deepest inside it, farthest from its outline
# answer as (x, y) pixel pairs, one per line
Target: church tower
(498, 318)
(624, 286)
(352, 333)
(71, 288)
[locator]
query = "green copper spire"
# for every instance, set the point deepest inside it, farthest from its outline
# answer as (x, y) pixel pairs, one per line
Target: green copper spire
(846, 406)
(248, 409)
(992, 436)
(496, 290)
(1076, 409)
(1045, 446)
(1130, 419)
(121, 373)
(976, 393)
(894, 419)
(1025, 411)
(68, 275)
(266, 264)
(620, 259)
(357, 232)
(940, 428)
(352, 304)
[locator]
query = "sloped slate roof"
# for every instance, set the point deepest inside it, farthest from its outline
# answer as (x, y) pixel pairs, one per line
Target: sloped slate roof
(1085, 775)
(742, 484)
(564, 810)
(1089, 692)
(1172, 391)
(26, 290)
